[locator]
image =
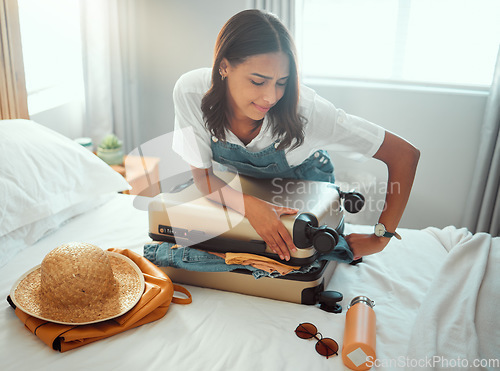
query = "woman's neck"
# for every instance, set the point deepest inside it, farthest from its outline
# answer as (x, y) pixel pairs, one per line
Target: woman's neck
(246, 130)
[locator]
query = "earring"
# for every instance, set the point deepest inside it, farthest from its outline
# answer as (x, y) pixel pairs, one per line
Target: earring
(222, 77)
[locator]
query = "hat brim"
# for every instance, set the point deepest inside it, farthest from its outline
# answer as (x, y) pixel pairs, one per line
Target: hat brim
(26, 295)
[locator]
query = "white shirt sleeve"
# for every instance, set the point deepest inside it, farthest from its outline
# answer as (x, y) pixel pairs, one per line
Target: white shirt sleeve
(332, 129)
(191, 138)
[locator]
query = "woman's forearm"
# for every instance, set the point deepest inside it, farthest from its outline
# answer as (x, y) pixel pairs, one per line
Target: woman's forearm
(215, 189)
(401, 159)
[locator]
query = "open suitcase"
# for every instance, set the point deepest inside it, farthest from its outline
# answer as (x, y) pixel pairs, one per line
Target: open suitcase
(183, 216)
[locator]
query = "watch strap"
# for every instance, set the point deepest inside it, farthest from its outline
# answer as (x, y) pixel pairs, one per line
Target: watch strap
(390, 235)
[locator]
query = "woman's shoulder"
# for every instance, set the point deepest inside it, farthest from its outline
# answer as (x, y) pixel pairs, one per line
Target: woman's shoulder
(310, 103)
(195, 81)
(306, 93)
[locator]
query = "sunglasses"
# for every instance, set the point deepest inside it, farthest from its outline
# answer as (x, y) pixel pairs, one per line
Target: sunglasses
(325, 346)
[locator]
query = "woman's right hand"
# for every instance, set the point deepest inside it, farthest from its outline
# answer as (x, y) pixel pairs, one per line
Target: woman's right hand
(265, 219)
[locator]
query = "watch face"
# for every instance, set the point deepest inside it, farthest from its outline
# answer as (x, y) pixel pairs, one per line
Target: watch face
(379, 230)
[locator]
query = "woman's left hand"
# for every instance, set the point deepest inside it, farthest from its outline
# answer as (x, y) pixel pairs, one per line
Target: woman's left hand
(365, 244)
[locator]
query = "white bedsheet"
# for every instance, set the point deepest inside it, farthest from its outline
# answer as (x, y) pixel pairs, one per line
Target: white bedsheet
(458, 324)
(223, 330)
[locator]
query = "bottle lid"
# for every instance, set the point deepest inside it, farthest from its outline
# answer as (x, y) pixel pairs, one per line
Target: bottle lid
(364, 299)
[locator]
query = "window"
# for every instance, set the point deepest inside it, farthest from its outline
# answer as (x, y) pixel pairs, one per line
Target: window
(51, 42)
(436, 42)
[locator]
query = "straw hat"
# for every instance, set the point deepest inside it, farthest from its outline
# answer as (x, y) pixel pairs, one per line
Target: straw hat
(79, 283)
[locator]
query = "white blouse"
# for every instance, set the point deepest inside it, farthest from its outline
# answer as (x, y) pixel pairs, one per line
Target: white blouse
(327, 127)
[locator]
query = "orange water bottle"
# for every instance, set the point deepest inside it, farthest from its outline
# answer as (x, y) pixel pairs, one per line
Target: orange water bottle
(358, 349)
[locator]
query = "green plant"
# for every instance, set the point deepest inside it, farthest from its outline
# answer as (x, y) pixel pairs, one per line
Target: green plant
(110, 141)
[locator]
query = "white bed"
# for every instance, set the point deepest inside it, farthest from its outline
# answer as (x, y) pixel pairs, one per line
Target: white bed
(436, 294)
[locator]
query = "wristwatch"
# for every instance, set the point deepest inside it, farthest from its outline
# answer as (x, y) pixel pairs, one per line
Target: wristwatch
(381, 231)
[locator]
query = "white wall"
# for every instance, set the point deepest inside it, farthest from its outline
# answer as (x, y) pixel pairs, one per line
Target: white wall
(176, 37)
(66, 119)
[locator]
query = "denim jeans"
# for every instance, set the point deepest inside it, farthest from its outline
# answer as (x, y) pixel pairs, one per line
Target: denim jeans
(162, 254)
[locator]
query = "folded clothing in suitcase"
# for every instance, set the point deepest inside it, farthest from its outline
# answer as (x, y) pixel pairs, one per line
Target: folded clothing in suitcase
(186, 217)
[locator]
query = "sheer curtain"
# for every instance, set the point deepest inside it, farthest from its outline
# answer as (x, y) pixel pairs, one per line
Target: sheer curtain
(110, 78)
(13, 98)
(482, 212)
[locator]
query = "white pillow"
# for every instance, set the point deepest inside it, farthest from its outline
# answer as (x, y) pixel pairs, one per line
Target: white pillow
(43, 172)
(15, 241)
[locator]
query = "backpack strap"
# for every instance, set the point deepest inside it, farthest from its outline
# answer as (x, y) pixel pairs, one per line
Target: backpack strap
(178, 300)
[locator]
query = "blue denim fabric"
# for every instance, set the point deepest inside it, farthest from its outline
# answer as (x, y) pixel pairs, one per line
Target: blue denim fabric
(272, 163)
(341, 252)
(162, 254)
(192, 259)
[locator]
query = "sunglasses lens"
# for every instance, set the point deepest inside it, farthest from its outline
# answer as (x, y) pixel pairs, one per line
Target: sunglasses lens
(327, 347)
(306, 330)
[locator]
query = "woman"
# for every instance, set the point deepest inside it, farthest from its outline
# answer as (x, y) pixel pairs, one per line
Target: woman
(248, 112)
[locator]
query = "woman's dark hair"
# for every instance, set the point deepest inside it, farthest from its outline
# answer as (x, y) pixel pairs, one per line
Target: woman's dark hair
(249, 33)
